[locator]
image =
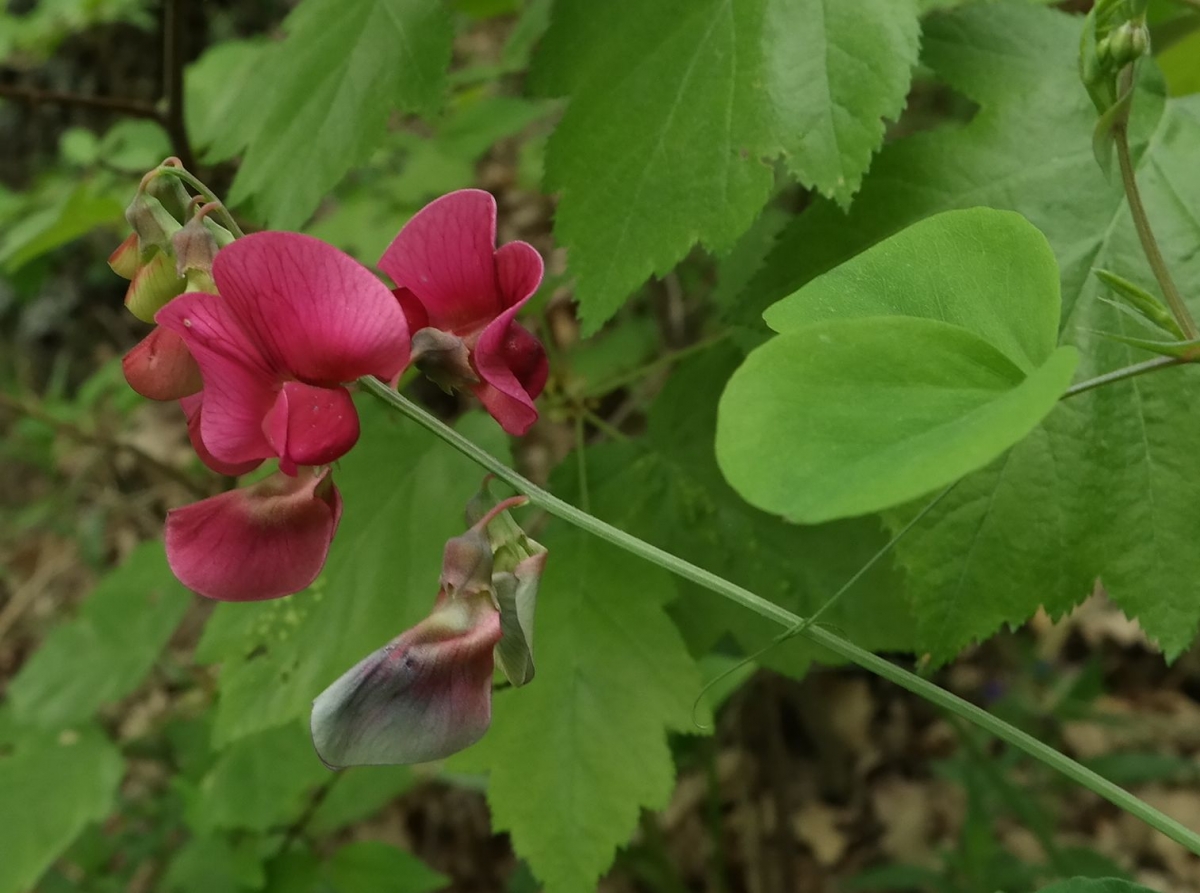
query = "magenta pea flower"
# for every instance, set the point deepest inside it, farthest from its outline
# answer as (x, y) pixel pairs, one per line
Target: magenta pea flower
(461, 296)
(295, 320)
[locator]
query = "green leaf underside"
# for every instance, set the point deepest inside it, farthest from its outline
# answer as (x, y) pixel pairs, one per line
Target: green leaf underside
(404, 493)
(575, 756)
(259, 781)
(676, 105)
(374, 865)
(329, 89)
(54, 785)
(1106, 487)
(104, 653)
(847, 417)
(1095, 885)
(667, 489)
(989, 272)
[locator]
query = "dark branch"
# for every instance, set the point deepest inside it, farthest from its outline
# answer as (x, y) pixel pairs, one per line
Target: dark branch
(34, 97)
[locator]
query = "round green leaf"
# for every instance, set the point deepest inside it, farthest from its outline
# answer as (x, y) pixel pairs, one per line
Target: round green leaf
(990, 272)
(847, 417)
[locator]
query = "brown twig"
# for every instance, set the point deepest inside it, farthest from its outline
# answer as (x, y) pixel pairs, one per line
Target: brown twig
(34, 97)
(76, 433)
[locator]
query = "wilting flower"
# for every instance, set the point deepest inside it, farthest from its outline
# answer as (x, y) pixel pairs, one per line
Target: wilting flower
(294, 321)
(428, 692)
(258, 542)
(461, 296)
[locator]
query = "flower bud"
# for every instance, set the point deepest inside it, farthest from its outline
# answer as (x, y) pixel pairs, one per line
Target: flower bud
(152, 222)
(195, 248)
(467, 565)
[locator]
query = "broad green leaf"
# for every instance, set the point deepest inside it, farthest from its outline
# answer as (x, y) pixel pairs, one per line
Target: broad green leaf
(667, 489)
(75, 214)
(370, 865)
(1180, 63)
(134, 146)
(404, 492)
(104, 653)
(223, 116)
(574, 756)
(1095, 885)
(847, 417)
(327, 92)
(358, 793)
(54, 785)
(260, 781)
(987, 271)
(1105, 487)
(676, 105)
(215, 864)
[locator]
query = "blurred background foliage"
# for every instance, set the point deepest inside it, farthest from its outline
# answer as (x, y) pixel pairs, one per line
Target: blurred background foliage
(150, 743)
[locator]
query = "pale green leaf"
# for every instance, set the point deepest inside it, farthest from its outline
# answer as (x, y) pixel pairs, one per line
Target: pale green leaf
(215, 864)
(676, 105)
(1095, 885)
(54, 785)
(328, 92)
(404, 492)
(987, 271)
(358, 793)
(847, 417)
(1105, 488)
(75, 214)
(103, 654)
(575, 756)
(222, 116)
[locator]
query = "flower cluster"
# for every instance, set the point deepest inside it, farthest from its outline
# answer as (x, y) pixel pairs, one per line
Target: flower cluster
(260, 338)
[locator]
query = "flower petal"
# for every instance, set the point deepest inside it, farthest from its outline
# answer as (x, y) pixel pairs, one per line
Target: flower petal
(424, 696)
(192, 407)
(126, 258)
(239, 386)
(513, 366)
(445, 256)
(261, 542)
(310, 425)
(519, 271)
(153, 285)
(160, 367)
(316, 313)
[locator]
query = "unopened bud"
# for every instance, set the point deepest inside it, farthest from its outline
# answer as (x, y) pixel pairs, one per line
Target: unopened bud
(195, 247)
(154, 285)
(152, 222)
(467, 565)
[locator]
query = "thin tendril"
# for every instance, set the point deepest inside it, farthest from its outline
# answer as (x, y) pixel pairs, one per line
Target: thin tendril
(798, 628)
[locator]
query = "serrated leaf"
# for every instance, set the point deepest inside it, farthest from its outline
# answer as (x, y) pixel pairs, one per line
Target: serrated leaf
(374, 865)
(675, 106)
(104, 653)
(847, 417)
(613, 677)
(1105, 486)
(259, 781)
(54, 785)
(404, 493)
(344, 66)
(222, 116)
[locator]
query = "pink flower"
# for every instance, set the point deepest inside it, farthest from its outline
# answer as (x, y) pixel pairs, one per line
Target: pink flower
(294, 321)
(461, 297)
(259, 542)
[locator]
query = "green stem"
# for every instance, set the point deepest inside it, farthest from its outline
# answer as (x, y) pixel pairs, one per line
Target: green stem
(1122, 373)
(199, 188)
(1141, 221)
(744, 597)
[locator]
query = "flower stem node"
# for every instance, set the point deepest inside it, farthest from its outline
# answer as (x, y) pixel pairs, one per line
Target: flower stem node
(443, 358)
